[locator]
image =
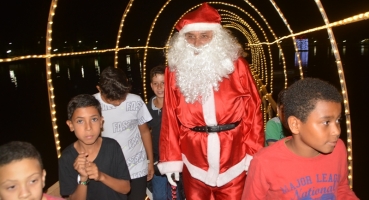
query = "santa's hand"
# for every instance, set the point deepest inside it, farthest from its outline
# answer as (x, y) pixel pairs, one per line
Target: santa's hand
(170, 178)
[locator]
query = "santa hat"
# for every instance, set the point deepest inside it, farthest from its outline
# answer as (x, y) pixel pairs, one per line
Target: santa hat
(203, 18)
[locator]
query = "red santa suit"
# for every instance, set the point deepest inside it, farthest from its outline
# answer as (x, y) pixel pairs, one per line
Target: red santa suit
(213, 159)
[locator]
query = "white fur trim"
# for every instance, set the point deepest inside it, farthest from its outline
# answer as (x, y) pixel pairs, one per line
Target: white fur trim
(212, 176)
(234, 171)
(170, 167)
(148, 193)
(223, 178)
(248, 160)
(213, 145)
(200, 27)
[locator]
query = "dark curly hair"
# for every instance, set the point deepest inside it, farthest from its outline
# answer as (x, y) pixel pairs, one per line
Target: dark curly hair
(302, 96)
(82, 101)
(281, 96)
(16, 151)
(160, 69)
(113, 83)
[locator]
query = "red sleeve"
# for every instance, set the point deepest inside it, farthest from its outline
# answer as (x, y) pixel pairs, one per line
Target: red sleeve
(256, 186)
(255, 138)
(344, 192)
(169, 134)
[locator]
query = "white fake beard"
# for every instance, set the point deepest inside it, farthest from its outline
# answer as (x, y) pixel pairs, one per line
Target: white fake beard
(198, 68)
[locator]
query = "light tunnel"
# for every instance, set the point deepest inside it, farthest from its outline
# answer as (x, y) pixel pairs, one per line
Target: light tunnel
(262, 39)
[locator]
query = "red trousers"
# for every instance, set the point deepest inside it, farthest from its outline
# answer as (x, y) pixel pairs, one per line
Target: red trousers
(197, 190)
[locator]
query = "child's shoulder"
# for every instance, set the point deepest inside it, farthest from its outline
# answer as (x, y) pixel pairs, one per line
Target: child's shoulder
(133, 97)
(275, 119)
(69, 149)
(109, 142)
(273, 150)
(97, 96)
(340, 148)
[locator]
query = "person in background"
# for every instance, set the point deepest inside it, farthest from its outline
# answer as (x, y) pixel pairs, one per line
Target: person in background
(312, 163)
(22, 175)
(274, 128)
(211, 120)
(93, 167)
(161, 188)
(125, 120)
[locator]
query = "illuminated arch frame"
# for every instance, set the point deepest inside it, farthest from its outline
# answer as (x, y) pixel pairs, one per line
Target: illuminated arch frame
(328, 26)
(265, 106)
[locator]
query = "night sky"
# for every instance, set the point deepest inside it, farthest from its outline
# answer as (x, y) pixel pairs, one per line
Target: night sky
(23, 22)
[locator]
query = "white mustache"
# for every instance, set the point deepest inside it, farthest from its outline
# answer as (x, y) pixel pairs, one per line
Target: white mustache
(197, 50)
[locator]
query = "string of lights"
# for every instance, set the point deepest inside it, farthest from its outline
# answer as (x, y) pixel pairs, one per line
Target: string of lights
(147, 43)
(265, 107)
(125, 13)
(259, 47)
(50, 86)
(343, 88)
(293, 39)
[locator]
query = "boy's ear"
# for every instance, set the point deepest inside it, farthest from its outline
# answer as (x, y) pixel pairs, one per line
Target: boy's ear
(43, 178)
(294, 124)
(98, 88)
(70, 125)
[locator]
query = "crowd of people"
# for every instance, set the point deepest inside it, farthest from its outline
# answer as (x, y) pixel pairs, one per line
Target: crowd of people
(201, 136)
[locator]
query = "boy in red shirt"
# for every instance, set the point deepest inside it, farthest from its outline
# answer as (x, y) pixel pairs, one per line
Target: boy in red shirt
(312, 164)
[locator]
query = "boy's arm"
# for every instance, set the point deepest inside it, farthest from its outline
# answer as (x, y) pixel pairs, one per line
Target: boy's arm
(253, 119)
(119, 179)
(68, 176)
(79, 193)
(256, 186)
(118, 185)
(147, 142)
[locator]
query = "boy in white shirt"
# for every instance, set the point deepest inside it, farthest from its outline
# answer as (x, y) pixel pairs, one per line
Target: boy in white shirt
(125, 117)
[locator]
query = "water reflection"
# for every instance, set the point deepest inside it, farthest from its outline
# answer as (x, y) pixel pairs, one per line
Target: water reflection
(13, 78)
(82, 72)
(303, 51)
(364, 49)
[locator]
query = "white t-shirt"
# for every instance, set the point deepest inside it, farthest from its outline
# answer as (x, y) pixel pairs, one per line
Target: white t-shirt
(121, 123)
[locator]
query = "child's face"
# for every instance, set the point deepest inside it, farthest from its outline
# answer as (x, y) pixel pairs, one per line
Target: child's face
(157, 85)
(320, 132)
(86, 124)
(22, 179)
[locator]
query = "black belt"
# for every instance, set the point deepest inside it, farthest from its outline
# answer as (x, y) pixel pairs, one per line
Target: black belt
(218, 128)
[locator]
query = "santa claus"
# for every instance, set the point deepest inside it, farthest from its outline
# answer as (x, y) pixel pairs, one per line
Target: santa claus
(211, 120)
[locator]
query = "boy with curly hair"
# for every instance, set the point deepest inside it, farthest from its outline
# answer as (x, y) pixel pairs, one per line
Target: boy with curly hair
(312, 163)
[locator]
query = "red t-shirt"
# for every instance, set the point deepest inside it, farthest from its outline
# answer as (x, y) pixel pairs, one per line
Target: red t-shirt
(277, 173)
(48, 197)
